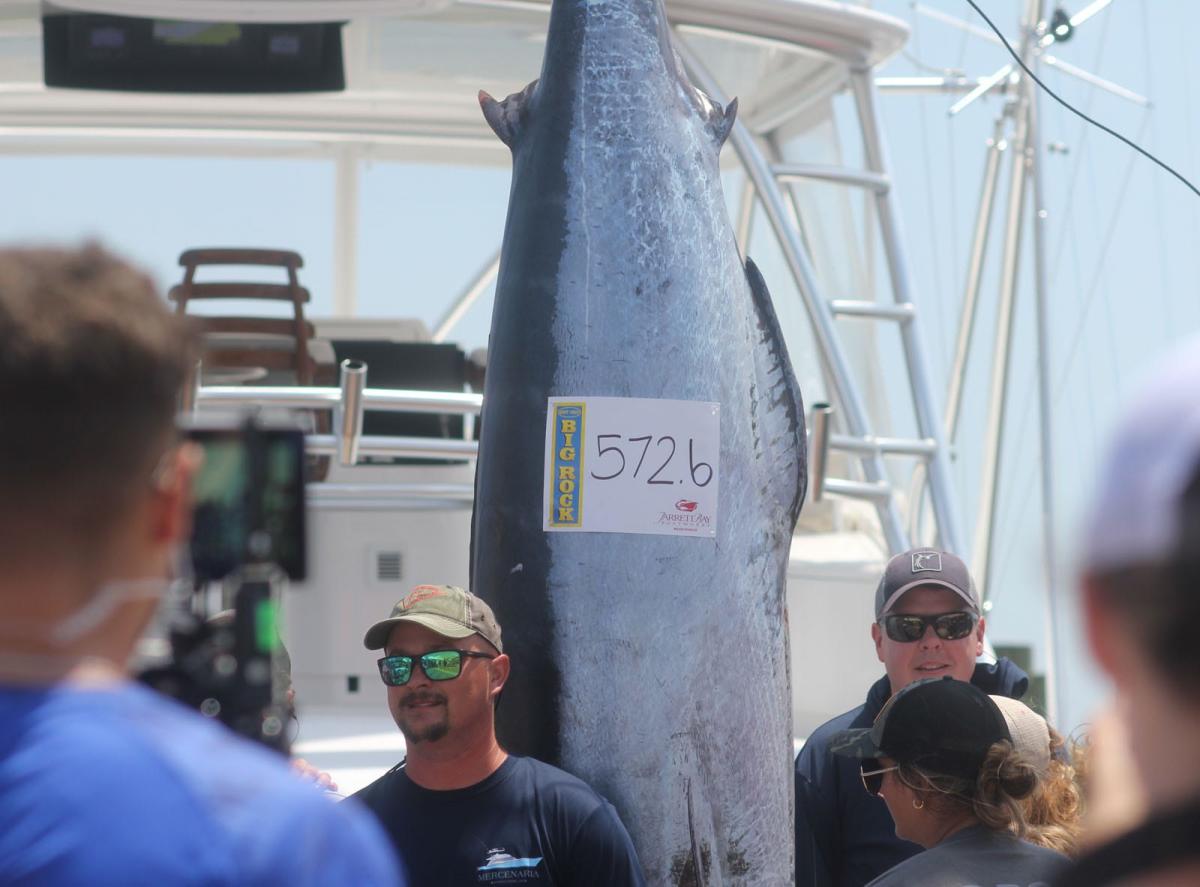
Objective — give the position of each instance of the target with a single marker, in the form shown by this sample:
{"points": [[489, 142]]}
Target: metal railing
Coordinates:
{"points": [[348, 402]]}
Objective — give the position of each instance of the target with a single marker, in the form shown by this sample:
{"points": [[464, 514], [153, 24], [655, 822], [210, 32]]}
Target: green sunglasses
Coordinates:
{"points": [[438, 665]]}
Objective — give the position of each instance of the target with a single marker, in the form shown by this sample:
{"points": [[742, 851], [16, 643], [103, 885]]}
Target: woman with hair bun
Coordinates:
{"points": [[941, 756], [1055, 806]]}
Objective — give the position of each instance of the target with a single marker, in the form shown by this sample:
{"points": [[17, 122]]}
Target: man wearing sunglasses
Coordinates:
{"points": [[928, 624], [460, 810]]}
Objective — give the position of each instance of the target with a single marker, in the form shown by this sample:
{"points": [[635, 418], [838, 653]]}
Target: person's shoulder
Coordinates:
{"points": [[1001, 678], [232, 779], [579, 817], [917, 869], [819, 739], [910, 871], [817, 742], [548, 780], [1049, 855], [383, 789]]}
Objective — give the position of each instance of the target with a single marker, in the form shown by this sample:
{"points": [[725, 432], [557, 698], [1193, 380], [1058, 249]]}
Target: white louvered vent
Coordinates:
{"points": [[388, 566]]}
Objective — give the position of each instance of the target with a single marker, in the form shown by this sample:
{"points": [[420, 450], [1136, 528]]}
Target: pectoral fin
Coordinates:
{"points": [[780, 406]]}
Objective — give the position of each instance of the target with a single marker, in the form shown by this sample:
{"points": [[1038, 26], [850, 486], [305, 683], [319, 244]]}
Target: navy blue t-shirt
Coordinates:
{"points": [[527, 823]]}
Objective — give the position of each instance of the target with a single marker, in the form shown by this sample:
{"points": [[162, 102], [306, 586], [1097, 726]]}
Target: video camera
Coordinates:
{"points": [[248, 533]]}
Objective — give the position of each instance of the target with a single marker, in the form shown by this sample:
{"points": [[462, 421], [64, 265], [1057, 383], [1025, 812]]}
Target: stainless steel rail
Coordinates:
{"points": [[315, 398]]}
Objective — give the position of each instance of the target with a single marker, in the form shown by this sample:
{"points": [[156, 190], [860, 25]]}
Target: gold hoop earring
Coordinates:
{"points": [[918, 804]]}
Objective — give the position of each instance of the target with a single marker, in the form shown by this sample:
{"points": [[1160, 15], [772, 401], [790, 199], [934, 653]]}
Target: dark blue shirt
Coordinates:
{"points": [[527, 823], [844, 836]]}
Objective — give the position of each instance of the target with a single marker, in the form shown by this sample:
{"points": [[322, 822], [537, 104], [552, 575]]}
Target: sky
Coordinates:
{"points": [[1122, 252]]}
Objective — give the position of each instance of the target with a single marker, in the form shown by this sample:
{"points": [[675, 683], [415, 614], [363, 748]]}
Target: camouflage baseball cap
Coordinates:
{"points": [[939, 725], [446, 609]]}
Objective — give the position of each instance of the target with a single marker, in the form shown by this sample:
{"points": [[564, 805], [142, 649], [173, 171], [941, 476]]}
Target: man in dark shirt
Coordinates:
{"points": [[845, 837], [460, 809]]}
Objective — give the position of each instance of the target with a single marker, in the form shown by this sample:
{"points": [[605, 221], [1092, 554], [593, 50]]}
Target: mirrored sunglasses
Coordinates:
{"points": [[438, 665], [948, 626]]}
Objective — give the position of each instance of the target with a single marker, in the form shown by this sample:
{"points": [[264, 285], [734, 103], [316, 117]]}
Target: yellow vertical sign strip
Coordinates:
{"points": [[566, 495]]}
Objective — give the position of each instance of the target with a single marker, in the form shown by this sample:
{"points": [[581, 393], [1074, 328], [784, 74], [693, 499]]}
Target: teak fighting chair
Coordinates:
{"points": [[253, 344]]}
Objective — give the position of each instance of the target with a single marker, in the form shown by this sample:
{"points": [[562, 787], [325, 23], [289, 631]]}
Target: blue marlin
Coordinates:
{"points": [[654, 667]]}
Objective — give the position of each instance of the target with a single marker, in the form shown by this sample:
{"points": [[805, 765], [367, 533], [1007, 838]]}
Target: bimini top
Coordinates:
{"points": [[413, 68]]}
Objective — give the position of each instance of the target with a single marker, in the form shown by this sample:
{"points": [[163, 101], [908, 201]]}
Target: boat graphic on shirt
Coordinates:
{"points": [[499, 858]]}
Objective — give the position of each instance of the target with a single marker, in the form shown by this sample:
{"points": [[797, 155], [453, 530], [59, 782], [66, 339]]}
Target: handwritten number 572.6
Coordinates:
{"points": [[697, 469]]}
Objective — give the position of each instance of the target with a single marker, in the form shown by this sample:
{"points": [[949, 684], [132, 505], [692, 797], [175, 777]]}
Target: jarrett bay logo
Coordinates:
{"points": [[685, 518], [501, 867]]}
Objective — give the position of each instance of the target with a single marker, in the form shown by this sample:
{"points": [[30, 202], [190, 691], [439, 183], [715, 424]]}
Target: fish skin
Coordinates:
{"points": [[654, 667]]}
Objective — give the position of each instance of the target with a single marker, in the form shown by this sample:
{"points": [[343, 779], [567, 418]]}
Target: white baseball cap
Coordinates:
{"points": [[1030, 732], [1137, 510]]}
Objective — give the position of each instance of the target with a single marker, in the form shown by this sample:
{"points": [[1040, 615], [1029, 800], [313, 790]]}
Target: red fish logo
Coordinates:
{"points": [[421, 593], [686, 505]]}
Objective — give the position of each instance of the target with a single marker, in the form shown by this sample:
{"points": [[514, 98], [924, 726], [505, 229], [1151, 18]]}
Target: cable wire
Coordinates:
{"points": [[1050, 92]]}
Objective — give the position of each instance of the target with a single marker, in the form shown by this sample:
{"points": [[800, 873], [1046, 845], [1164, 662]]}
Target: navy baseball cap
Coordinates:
{"points": [[939, 725]]}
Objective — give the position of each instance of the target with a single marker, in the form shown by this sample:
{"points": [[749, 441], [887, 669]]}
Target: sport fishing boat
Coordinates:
{"points": [[331, 158]]}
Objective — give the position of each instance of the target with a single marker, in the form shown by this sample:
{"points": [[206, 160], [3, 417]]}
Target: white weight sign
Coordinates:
{"points": [[632, 465]]}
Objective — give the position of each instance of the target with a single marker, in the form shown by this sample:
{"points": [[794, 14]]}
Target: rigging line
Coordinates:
{"points": [[938, 287], [1081, 313], [1081, 140], [1164, 243], [1190, 133], [955, 245], [1100, 280], [1050, 92], [952, 151], [931, 69], [1099, 272]]}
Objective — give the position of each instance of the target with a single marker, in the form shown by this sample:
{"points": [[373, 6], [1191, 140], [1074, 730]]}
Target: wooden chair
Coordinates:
{"points": [[254, 345], [250, 349]]}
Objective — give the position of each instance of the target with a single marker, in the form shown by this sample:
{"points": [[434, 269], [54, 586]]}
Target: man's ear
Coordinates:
{"points": [[171, 506], [501, 666], [877, 637], [979, 631]]}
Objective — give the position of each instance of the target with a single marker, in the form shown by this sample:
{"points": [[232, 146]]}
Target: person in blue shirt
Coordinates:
{"points": [[103, 781], [928, 623]]}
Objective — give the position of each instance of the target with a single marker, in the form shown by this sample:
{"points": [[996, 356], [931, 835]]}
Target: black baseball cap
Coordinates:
{"points": [[924, 566], [939, 725]]}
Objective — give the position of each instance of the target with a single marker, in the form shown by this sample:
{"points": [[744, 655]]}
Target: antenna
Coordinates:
{"points": [[1016, 133]]}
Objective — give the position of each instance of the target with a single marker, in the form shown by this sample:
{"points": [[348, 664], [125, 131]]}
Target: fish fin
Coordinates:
{"points": [[718, 120], [507, 117], [722, 124], [782, 422]]}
